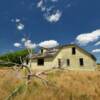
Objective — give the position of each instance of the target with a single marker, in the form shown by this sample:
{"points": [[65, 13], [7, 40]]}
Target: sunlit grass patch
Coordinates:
{"points": [[62, 85]]}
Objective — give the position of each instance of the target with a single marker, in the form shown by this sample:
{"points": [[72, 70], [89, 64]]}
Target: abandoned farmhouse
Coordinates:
{"points": [[67, 56]]}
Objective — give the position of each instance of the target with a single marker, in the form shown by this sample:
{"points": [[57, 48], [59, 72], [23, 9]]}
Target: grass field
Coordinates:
{"points": [[63, 85]]}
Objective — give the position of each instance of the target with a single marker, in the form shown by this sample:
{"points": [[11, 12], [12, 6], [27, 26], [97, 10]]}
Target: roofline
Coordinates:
{"points": [[62, 46], [91, 55]]}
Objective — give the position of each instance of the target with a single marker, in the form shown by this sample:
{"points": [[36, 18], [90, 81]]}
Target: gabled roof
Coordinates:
{"points": [[47, 55]]}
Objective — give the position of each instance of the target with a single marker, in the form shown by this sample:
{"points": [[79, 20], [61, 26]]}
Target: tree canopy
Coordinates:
{"points": [[14, 56]]}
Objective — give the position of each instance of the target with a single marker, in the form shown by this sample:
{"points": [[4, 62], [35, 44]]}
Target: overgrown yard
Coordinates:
{"points": [[63, 85]]}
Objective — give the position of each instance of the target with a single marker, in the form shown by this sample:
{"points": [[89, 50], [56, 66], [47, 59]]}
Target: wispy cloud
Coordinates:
{"points": [[54, 0], [25, 43], [50, 8], [68, 5], [17, 44], [17, 20], [98, 43], [50, 13], [86, 38], [20, 26], [55, 17], [96, 51], [23, 40], [29, 44], [40, 3]]}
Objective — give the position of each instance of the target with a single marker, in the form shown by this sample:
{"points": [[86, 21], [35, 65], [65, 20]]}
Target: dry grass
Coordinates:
{"points": [[66, 85], [9, 80]]}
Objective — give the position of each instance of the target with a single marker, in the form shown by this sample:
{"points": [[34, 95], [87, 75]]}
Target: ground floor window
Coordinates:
{"points": [[40, 62], [68, 62], [81, 61], [59, 63]]}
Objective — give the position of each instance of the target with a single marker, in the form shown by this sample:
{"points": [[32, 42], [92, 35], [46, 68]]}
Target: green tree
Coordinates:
{"points": [[15, 56]]}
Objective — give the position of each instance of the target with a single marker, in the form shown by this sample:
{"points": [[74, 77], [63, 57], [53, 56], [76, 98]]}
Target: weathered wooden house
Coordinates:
{"points": [[67, 56]]}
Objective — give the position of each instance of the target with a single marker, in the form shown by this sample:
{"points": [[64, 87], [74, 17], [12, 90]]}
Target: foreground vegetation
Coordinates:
{"points": [[64, 85]]}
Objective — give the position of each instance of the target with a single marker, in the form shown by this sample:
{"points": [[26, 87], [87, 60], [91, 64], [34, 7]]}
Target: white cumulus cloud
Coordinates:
{"points": [[17, 44], [96, 51], [84, 39], [49, 44], [55, 17]]}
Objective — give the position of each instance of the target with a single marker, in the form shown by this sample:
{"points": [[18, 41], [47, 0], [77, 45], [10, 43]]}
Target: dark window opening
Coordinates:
{"points": [[41, 62], [68, 62], [81, 61], [59, 63], [27, 61], [41, 51], [73, 50]]}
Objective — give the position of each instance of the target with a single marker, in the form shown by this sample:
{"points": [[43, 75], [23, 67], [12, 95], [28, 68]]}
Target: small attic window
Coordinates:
{"points": [[73, 50], [41, 51]]}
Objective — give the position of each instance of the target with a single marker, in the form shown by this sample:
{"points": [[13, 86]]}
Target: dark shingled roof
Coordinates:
{"points": [[47, 55]]}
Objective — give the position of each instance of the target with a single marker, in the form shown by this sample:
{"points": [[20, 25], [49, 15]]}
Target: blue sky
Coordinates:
{"points": [[65, 21]]}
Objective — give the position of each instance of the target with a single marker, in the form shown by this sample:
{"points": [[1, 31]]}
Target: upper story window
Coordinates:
{"points": [[81, 61], [73, 51], [41, 51]]}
